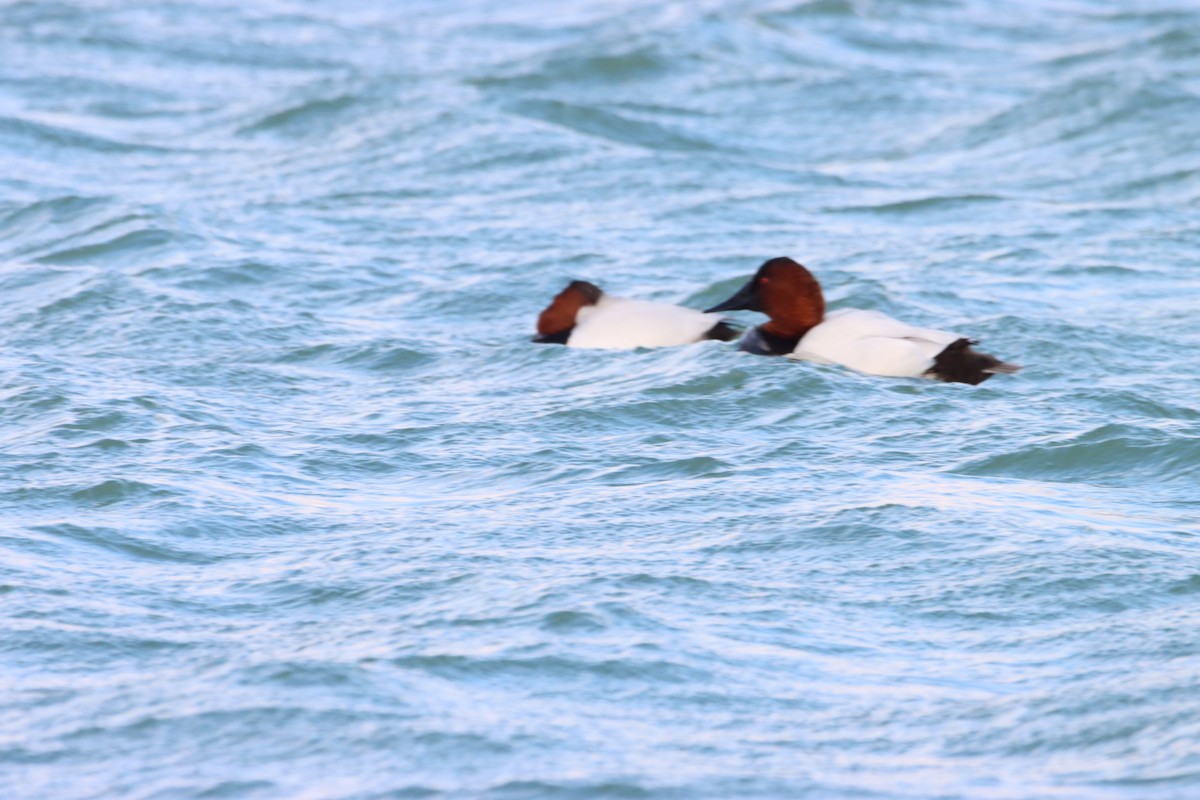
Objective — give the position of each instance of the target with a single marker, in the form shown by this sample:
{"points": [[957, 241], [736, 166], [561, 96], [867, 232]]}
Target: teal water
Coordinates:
{"points": [[290, 507]]}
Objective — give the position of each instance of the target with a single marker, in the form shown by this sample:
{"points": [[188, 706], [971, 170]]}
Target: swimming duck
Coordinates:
{"points": [[583, 316], [866, 341]]}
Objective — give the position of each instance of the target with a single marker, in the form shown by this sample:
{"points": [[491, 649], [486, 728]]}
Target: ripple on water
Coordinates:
{"points": [[102, 538], [309, 118], [611, 126], [378, 356], [1113, 454]]}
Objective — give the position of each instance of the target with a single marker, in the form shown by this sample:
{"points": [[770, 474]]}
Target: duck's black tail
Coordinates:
{"points": [[958, 363]]}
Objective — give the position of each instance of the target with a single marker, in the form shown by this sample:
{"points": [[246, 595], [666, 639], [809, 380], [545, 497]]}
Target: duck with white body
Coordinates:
{"points": [[867, 341], [582, 315]]}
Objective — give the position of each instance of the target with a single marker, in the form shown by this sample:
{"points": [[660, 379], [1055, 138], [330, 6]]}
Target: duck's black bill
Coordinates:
{"points": [[746, 299]]}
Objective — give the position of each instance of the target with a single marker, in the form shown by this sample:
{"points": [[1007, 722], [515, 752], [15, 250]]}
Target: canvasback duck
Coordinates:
{"points": [[583, 316], [866, 341]]}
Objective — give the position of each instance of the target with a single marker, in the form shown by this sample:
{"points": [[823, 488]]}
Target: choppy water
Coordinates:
{"points": [[292, 509]]}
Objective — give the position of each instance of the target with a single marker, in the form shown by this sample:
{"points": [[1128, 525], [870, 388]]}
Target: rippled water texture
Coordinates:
{"points": [[291, 508]]}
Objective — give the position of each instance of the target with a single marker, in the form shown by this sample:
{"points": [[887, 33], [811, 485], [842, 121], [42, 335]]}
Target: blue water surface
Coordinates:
{"points": [[291, 508]]}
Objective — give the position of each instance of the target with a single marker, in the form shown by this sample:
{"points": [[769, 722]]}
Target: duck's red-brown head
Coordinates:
{"points": [[786, 292], [555, 323]]}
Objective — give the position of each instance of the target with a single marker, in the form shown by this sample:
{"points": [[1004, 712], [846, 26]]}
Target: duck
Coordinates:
{"points": [[582, 315], [866, 341]]}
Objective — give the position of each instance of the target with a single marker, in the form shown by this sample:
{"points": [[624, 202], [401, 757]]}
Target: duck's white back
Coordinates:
{"points": [[873, 343], [617, 322]]}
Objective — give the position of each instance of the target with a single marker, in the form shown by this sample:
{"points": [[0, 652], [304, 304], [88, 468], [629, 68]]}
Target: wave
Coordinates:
{"points": [[1113, 453]]}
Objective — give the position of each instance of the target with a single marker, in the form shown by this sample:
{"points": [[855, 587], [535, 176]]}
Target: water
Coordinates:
{"points": [[292, 509]]}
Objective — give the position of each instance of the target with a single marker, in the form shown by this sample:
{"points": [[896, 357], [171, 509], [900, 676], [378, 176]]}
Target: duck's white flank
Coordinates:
{"points": [[618, 322], [873, 343]]}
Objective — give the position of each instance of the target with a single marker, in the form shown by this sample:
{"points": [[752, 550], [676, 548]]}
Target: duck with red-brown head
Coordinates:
{"points": [[866, 341], [582, 315], [786, 292], [556, 322]]}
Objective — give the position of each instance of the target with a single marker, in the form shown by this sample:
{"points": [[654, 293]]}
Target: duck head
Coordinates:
{"points": [[786, 292], [556, 322]]}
